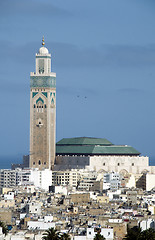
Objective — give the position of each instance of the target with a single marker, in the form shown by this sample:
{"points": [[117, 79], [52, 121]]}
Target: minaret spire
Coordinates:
{"points": [[42, 112]]}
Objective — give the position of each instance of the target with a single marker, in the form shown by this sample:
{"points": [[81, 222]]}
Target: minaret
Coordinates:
{"points": [[42, 112]]}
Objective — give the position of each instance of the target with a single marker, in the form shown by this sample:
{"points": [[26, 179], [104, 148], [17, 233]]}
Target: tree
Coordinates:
{"points": [[51, 234], [4, 228], [135, 233], [65, 236], [148, 234], [98, 236], [132, 233]]}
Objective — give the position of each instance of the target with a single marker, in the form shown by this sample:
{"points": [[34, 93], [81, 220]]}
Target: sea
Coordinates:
{"points": [[5, 162]]}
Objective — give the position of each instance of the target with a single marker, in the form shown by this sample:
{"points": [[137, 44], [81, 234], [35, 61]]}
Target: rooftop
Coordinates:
{"points": [[92, 146], [84, 141]]}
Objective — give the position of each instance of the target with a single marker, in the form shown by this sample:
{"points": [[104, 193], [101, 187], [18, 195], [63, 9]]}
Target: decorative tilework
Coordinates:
{"points": [[34, 94], [43, 56], [43, 81], [44, 93], [40, 99]]}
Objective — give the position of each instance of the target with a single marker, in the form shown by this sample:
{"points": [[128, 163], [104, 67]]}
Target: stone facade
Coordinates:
{"points": [[122, 164]]}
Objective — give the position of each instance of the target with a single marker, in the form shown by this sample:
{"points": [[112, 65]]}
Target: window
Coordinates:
{"points": [[132, 164], [33, 163], [39, 162], [41, 65], [118, 164]]}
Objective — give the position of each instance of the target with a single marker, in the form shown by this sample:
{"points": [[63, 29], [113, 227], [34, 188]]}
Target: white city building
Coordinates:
{"points": [[20, 177], [111, 181], [66, 177], [106, 232]]}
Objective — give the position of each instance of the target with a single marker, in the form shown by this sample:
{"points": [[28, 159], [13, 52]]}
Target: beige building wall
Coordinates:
{"points": [[6, 216], [128, 164], [102, 199], [62, 178], [150, 181], [79, 198], [7, 203]]}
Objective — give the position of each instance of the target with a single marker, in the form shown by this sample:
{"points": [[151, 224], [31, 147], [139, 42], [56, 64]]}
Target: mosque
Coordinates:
{"points": [[91, 153]]}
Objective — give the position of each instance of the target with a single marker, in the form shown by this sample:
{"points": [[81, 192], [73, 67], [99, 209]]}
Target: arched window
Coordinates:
{"points": [[40, 105], [41, 65], [39, 162]]}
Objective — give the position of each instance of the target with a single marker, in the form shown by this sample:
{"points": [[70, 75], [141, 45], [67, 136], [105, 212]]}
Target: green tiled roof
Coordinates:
{"points": [[96, 150], [84, 141], [92, 146]]}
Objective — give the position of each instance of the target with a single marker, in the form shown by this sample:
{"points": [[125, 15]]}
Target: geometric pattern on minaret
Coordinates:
{"points": [[42, 112]]}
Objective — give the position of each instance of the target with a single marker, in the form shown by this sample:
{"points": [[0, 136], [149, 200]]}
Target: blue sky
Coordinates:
{"points": [[102, 51]]}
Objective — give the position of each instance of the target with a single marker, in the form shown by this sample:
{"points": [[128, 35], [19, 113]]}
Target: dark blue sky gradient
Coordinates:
{"points": [[102, 51]]}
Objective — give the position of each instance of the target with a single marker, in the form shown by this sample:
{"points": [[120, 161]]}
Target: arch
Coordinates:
{"points": [[124, 173], [102, 171], [39, 99], [144, 171]]}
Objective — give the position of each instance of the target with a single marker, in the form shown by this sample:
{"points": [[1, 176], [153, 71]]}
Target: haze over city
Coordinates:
{"points": [[104, 55]]}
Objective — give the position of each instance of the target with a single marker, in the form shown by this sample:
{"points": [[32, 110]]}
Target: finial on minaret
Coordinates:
{"points": [[43, 42]]}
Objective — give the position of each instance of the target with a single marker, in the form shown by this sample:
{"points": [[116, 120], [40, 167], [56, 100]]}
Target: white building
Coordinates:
{"points": [[111, 181], [60, 189], [9, 196], [1, 234], [8, 178], [66, 177], [147, 223], [20, 177], [33, 208], [40, 225], [41, 178], [87, 179], [106, 232]]}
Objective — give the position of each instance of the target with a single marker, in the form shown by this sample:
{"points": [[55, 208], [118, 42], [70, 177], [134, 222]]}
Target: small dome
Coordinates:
{"points": [[43, 50]]}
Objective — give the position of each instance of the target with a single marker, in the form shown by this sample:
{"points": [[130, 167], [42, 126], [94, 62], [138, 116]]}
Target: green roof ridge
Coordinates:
{"points": [[84, 141]]}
